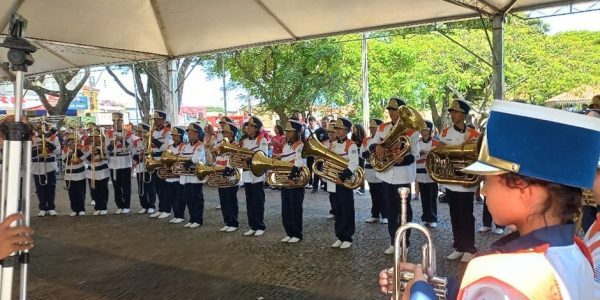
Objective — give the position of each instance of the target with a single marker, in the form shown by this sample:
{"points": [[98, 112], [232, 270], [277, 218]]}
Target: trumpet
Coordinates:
{"points": [[277, 171], [444, 163], [333, 164], [239, 155], [401, 278], [396, 143], [213, 176]]}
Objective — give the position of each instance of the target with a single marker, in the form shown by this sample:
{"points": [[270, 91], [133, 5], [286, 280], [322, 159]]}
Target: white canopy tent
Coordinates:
{"points": [[75, 33]]}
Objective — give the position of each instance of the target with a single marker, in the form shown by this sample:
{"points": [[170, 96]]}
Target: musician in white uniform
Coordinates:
{"points": [[292, 198], [344, 197], [427, 187], [253, 185], [171, 184], [375, 185], [161, 139], [191, 185], [118, 143], [74, 174], [146, 189], [402, 174], [228, 195], [97, 172], [43, 168]]}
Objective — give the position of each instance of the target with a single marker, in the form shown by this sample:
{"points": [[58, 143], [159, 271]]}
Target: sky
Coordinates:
{"points": [[200, 91]]}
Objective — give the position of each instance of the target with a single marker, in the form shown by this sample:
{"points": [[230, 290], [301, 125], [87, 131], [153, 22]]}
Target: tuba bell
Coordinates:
{"points": [[396, 143], [214, 176], [239, 155], [444, 163], [333, 164], [277, 171]]}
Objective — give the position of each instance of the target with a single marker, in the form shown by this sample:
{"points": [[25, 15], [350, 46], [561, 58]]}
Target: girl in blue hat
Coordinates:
{"points": [[540, 193]]}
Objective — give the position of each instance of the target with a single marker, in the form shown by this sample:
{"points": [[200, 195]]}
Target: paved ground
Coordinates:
{"points": [[135, 257]]}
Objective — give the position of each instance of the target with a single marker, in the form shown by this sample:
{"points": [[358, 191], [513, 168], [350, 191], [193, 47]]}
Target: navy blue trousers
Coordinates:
{"points": [[291, 211], [344, 213], [229, 205], [255, 205], [45, 188], [194, 198], [146, 190]]}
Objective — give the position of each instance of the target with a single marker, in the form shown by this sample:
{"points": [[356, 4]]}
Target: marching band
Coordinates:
{"points": [[174, 163]]}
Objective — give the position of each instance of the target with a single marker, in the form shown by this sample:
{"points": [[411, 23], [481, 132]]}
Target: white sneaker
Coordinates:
{"points": [[483, 229], [455, 255], [498, 231], [151, 210], [384, 221], [345, 245], [433, 225], [142, 211], [125, 211], [259, 233], [467, 257], [337, 244], [224, 228], [194, 225], [390, 250], [52, 212], [187, 225], [156, 214], [249, 232], [372, 220], [103, 212], [164, 215], [285, 239], [72, 214], [330, 216], [42, 213], [118, 211], [96, 213], [93, 203], [82, 213], [218, 207], [425, 224], [231, 229], [294, 240], [176, 220]]}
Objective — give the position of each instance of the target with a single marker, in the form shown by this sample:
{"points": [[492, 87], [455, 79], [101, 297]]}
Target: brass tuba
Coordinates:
{"points": [[396, 143], [214, 176], [171, 165], [443, 163], [333, 164], [238, 154], [277, 171]]}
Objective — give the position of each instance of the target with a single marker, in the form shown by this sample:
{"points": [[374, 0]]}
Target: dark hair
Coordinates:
{"points": [[278, 129], [359, 136], [312, 118], [567, 199]]}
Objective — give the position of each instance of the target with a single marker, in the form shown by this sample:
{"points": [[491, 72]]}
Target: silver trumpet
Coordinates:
{"points": [[401, 278]]}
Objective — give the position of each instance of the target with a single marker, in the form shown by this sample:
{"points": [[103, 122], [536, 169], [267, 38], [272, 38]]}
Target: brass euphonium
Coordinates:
{"points": [[277, 171], [214, 176], [238, 154], [397, 143], [171, 165], [443, 163], [332, 164], [151, 163], [587, 197]]}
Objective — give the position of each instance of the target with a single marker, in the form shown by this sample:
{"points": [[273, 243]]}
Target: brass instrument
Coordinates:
{"points": [[277, 171], [173, 165], [151, 163], [397, 143], [587, 197], [239, 155], [401, 278], [333, 164], [443, 163], [71, 158], [213, 176], [97, 146]]}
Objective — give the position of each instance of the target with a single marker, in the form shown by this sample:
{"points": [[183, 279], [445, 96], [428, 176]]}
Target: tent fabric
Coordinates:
{"points": [[74, 33]]}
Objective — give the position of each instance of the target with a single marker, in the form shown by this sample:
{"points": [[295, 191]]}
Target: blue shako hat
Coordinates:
{"points": [[539, 142], [293, 125]]}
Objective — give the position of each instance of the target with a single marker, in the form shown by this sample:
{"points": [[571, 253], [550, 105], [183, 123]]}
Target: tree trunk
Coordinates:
{"points": [[65, 96]]}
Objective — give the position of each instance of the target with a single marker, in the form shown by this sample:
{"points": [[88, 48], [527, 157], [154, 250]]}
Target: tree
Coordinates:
{"points": [[64, 94], [284, 77], [152, 84]]}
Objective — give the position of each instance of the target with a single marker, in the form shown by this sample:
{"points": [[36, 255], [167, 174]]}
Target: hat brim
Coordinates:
{"points": [[391, 107], [479, 168], [456, 109]]}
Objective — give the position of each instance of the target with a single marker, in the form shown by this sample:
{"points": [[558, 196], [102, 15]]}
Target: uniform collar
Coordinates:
{"points": [[252, 137], [160, 128], [554, 236], [460, 130], [341, 140]]}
